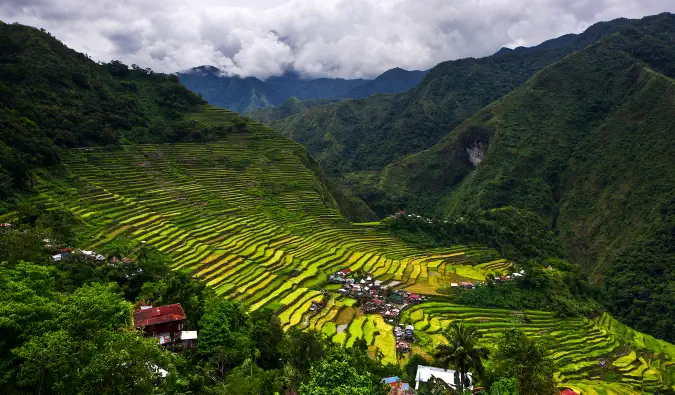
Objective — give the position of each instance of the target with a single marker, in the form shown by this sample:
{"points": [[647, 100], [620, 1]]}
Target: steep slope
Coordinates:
{"points": [[587, 144], [53, 98], [370, 133], [249, 94]]}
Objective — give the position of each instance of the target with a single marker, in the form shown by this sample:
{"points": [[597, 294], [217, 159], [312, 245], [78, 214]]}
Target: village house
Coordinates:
{"points": [[425, 373], [165, 323]]}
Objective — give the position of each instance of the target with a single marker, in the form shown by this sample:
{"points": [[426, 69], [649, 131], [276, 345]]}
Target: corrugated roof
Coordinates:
{"points": [[159, 315]]}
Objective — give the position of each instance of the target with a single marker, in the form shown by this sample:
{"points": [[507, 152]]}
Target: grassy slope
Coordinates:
{"points": [[368, 134]]}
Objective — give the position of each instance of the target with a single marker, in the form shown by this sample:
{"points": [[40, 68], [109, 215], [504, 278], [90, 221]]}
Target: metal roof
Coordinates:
{"points": [[159, 315]]}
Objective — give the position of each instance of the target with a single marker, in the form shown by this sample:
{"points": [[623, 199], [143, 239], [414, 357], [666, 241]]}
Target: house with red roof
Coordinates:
{"points": [[164, 322], [568, 391]]}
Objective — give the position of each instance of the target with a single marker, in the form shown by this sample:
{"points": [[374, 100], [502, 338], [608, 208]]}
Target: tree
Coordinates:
{"points": [[524, 359], [462, 351], [302, 348], [224, 338], [249, 379], [505, 386], [337, 376], [28, 302]]}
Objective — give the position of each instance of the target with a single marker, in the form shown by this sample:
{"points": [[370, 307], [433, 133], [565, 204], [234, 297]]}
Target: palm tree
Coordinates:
{"points": [[462, 351]]}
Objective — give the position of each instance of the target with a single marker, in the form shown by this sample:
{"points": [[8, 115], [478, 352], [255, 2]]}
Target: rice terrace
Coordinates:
{"points": [[265, 231]]}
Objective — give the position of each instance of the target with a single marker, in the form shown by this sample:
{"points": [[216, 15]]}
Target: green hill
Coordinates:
{"points": [[290, 107], [587, 144], [368, 134]]}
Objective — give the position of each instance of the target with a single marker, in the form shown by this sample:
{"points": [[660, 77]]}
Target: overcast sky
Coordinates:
{"points": [[337, 38]]}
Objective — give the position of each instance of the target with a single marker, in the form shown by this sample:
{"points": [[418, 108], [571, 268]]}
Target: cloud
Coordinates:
{"points": [[316, 38]]}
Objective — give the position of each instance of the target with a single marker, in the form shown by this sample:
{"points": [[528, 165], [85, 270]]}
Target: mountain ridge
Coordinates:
{"points": [[245, 94], [367, 134]]}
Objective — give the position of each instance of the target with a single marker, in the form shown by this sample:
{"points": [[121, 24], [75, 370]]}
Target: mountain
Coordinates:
{"points": [[368, 134], [391, 81], [248, 94], [587, 144], [53, 98]]}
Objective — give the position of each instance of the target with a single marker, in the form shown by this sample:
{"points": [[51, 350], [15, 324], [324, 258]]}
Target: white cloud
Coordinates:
{"points": [[337, 38]]}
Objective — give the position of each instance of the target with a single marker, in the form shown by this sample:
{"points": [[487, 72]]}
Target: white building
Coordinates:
{"points": [[424, 373]]}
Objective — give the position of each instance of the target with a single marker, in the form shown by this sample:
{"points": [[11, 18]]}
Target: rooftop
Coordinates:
{"points": [[159, 315], [424, 373]]}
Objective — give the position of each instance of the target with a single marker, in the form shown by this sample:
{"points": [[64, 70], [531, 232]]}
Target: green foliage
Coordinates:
{"points": [[505, 386], [522, 358], [550, 290], [303, 348], [410, 368], [224, 337], [462, 352], [338, 374], [63, 344], [249, 379], [640, 285]]}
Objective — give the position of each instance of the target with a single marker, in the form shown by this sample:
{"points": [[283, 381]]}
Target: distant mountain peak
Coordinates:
{"points": [[202, 70]]}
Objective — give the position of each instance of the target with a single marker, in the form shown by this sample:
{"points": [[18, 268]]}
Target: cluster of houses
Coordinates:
{"points": [[404, 337], [372, 295], [166, 324], [470, 285], [67, 251]]}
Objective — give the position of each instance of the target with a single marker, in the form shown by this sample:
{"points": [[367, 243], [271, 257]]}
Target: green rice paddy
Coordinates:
{"points": [[593, 356]]}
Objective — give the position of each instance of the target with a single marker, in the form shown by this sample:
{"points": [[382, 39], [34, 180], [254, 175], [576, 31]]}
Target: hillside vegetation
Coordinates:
{"points": [[250, 93], [290, 107], [587, 145], [53, 98], [370, 133]]}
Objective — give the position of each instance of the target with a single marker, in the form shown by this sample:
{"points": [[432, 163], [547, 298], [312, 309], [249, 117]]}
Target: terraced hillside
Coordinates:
{"points": [[261, 228], [600, 356]]}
